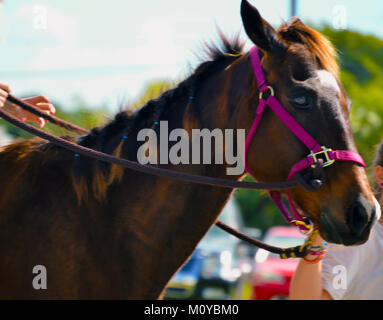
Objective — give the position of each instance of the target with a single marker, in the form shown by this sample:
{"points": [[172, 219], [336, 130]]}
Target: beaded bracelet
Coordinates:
{"points": [[321, 246], [319, 253], [318, 250]]}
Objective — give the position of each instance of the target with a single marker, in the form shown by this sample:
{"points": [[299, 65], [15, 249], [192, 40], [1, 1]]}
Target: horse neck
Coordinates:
{"points": [[168, 218]]}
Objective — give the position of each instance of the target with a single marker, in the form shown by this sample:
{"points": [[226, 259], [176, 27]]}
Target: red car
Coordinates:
{"points": [[272, 275]]}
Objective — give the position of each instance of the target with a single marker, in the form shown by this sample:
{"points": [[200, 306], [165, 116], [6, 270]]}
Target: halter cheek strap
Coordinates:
{"points": [[317, 151]]}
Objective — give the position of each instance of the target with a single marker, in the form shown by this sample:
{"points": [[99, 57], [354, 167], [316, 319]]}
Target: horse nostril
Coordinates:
{"points": [[357, 217]]}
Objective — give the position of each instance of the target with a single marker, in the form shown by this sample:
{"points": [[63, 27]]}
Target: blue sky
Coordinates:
{"points": [[106, 51]]}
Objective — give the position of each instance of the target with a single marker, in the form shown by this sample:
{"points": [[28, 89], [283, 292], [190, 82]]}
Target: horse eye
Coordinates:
{"points": [[301, 101]]}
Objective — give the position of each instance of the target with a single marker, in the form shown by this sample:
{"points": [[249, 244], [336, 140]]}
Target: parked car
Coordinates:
{"points": [[272, 275], [220, 267]]}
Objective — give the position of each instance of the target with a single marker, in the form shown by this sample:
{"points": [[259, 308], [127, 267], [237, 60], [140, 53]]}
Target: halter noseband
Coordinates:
{"points": [[318, 152]]}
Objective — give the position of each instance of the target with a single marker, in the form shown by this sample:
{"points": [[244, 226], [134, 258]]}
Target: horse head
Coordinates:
{"points": [[300, 65]]}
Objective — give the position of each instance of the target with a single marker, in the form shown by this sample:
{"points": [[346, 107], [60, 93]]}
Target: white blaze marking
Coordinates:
{"points": [[378, 210], [328, 80]]}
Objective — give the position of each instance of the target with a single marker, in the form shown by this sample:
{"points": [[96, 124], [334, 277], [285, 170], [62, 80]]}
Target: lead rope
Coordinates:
{"points": [[284, 253], [78, 149]]}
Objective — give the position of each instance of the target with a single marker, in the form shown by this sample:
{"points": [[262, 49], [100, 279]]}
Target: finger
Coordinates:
{"points": [[5, 87], [34, 118], [30, 117], [48, 107], [41, 123], [2, 101], [3, 93], [37, 99]]}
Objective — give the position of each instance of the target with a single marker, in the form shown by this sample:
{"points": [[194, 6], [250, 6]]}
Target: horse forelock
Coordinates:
{"points": [[322, 50]]}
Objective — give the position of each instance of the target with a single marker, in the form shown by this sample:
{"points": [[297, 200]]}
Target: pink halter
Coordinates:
{"points": [[327, 154]]}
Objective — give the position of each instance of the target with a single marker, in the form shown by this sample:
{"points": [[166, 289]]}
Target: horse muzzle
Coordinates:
{"points": [[360, 218]]}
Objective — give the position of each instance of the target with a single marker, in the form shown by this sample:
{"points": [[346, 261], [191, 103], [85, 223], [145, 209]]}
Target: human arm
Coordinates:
{"points": [[307, 280]]}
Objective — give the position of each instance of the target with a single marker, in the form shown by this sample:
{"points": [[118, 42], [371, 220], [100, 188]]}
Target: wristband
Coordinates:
{"points": [[318, 250]]}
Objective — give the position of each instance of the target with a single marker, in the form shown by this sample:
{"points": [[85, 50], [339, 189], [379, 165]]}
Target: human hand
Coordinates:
{"points": [[41, 102]]}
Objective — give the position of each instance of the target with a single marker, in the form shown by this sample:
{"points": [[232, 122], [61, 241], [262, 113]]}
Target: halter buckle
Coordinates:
{"points": [[268, 89], [315, 155]]}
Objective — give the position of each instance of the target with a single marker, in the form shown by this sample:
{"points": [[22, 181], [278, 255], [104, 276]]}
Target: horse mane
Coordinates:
{"points": [[215, 56], [324, 53], [224, 49], [96, 176]]}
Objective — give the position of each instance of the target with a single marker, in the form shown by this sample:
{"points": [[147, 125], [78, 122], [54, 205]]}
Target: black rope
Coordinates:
{"points": [[171, 174], [295, 252]]}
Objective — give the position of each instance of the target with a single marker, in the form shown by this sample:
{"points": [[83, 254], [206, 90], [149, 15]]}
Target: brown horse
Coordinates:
{"points": [[105, 232]]}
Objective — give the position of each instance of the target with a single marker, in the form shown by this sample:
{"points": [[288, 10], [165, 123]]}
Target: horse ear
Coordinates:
{"points": [[260, 32]]}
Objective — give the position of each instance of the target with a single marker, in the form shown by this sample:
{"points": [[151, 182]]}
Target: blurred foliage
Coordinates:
{"points": [[361, 60], [152, 91]]}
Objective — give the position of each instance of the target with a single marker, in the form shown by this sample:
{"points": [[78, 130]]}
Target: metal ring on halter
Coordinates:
{"points": [[270, 89], [307, 224]]}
